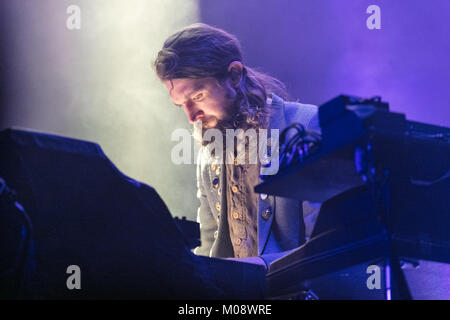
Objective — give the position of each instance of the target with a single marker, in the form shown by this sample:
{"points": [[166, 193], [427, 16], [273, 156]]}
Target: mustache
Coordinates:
{"points": [[236, 118], [241, 116]]}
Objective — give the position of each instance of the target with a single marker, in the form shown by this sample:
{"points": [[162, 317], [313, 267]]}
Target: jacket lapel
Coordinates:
{"points": [[277, 121]]}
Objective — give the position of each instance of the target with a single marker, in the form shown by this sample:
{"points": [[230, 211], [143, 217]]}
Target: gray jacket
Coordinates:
{"points": [[280, 220]]}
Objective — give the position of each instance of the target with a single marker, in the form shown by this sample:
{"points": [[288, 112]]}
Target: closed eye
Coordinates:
{"points": [[198, 97]]}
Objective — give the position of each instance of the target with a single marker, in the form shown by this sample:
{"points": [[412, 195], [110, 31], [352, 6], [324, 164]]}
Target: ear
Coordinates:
{"points": [[235, 72]]}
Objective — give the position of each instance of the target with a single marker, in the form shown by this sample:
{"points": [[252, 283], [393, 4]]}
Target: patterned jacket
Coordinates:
{"points": [[280, 220]]}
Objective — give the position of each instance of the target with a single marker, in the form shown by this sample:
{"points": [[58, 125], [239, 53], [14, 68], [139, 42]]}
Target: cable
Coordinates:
{"points": [[301, 145]]}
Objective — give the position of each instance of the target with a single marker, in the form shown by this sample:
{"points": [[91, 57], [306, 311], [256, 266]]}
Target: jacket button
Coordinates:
{"points": [[238, 241], [213, 167], [266, 213], [215, 183], [218, 206], [218, 170], [234, 189], [263, 196], [235, 215], [215, 234]]}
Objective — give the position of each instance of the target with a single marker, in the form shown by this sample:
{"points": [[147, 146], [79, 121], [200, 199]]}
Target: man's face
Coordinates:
{"points": [[202, 99]]}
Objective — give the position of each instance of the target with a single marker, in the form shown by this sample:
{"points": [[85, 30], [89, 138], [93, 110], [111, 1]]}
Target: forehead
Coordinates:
{"points": [[180, 89]]}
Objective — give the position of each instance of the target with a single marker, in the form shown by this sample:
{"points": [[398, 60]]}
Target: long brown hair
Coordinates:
{"points": [[201, 51]]}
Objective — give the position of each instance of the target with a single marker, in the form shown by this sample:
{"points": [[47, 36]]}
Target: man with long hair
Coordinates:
{"points": [[205, 74]]}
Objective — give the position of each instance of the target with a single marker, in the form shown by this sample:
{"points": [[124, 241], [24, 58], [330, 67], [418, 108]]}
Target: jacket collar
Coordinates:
{"points": [[277, 117]]}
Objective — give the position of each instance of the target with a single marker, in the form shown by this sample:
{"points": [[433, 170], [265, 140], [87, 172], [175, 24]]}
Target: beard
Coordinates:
{"points": [[238, 116], [230, 122], [234, 119]]}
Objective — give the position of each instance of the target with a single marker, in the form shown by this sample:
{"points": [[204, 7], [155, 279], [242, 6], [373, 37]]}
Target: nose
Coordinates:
{"points": [[192, 113]]}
